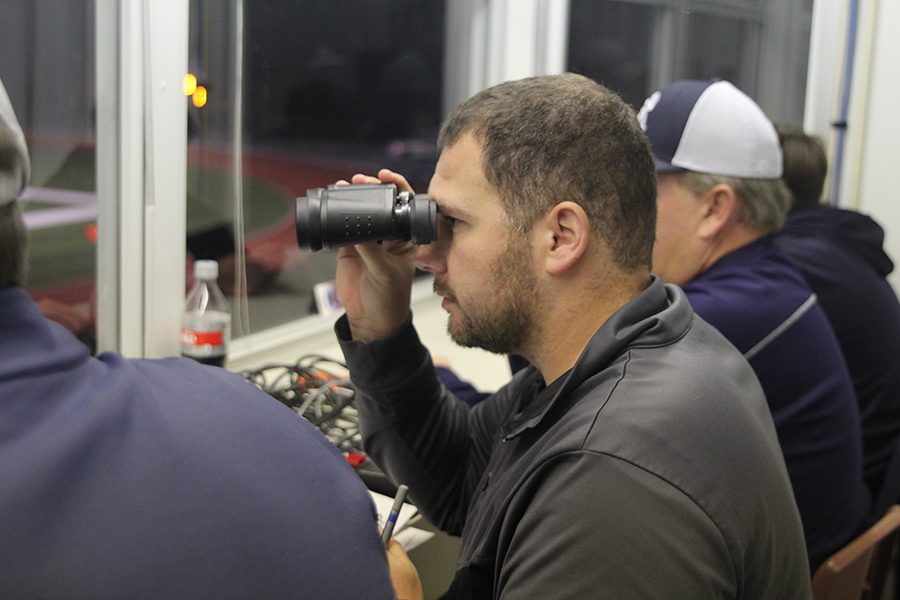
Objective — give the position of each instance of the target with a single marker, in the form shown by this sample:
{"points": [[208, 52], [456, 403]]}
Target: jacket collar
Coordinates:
{"points": [[28, 341], [657, 316]]}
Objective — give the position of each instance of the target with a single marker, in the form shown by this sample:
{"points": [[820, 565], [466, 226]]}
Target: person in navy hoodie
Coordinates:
{"points": [[158, 478], [840, 254], [720, 200]]}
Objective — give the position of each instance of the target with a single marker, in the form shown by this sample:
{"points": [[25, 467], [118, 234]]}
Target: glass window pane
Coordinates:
{"points": [[613, 43], [47, 67], [637, 46], [329, 89], [721, 47]]}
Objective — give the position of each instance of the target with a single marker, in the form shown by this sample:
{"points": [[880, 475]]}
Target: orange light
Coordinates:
{"points": [[90, 233], [189, 84], [199, 97]]}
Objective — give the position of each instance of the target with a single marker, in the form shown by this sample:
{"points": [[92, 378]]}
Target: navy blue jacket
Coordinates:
{"points": [[762, 305], [839, 252], [165, 479]]}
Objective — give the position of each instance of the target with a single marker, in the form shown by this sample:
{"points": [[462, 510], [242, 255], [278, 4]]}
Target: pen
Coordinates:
{"points": [[395, 511]]}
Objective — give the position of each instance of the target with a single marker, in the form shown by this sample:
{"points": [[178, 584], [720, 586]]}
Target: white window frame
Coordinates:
{"points": [[142, 49], [492, 41], [487, 42], [141, 174]]}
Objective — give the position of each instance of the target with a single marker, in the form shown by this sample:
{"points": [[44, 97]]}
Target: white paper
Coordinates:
{"points": [[384, 503]]}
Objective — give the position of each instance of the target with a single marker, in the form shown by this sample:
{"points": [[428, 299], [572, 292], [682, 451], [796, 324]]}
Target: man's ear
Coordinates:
{"points": [[564, 237], [720, 207]]}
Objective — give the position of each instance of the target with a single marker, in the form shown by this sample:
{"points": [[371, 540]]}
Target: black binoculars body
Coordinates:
{"points": [[341, 215]]}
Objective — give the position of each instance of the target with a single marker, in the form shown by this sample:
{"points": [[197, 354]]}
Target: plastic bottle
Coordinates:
{"points": [[206, 325]]}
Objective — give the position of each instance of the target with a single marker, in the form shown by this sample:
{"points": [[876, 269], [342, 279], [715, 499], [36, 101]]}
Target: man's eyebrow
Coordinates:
{"points": [[450, 209]]}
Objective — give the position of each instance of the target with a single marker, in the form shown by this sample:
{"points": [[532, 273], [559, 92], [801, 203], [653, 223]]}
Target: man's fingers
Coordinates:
{"points": [[375, 251], [347, 252], [404, 576], [384, 176], [359, 179], [388, 176]]}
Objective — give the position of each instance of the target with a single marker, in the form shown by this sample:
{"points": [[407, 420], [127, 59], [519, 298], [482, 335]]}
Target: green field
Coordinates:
{"points": [[63, 254]]}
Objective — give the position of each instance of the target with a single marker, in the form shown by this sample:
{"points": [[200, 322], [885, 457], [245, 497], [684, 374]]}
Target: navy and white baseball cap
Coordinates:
{"points": [[15, 166], [710, 127]]}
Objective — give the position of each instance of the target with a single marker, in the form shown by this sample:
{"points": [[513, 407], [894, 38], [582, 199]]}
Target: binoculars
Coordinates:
{"points": [[341, 215]]}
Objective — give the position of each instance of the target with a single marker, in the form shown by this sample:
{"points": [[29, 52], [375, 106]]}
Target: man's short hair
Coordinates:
{"points": [[805, 164], [13, 246], [564, 137], [763, 204]]}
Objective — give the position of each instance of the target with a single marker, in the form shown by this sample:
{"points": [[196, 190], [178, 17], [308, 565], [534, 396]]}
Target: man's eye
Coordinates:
{"points": [[450, 221]]}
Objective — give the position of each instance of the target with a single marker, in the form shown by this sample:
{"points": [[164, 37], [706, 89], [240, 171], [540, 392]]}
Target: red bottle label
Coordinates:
{"points": [[201, 338]]}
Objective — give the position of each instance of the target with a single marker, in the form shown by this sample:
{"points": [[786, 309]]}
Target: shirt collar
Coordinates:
{"points": [[537, 400], [656, 316]]}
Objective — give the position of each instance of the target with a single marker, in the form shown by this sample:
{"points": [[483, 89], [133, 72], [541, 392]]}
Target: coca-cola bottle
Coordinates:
{"points": [[206, 325]]}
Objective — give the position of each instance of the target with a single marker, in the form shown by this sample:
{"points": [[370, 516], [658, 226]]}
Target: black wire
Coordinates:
{"points": [[311, 383]]}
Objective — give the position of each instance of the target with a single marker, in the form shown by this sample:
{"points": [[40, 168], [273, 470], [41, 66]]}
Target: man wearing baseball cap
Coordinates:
{"points": [[720, 198], [159, 478]]}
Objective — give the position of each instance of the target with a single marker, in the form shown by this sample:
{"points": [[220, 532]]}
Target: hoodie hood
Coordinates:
{"points": [[856, 232]]}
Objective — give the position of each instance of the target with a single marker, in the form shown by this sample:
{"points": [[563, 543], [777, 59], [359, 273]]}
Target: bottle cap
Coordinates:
{"points": [[206, 269]]}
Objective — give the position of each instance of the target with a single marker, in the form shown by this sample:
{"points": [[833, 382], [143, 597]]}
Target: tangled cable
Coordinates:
{"points": [[317, 394]]}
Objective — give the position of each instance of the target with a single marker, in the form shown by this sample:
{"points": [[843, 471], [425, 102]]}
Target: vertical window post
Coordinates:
{"points": [[141, 174]]}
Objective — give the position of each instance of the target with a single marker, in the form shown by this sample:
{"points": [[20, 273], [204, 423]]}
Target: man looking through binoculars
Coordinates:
{"points": [[637, 457]]}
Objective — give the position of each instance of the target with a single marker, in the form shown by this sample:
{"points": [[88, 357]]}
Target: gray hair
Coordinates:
{"points": [[763, 203]]}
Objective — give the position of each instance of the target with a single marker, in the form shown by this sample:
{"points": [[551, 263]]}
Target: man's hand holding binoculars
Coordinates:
{"points": [[374, 279]]}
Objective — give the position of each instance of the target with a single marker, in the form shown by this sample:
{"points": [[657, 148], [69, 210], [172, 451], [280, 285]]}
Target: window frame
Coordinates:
{"points": [[142, 52], [141, 175]]}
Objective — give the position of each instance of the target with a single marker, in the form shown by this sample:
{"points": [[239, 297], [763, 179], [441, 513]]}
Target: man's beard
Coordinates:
{"points": [[502, 318]]}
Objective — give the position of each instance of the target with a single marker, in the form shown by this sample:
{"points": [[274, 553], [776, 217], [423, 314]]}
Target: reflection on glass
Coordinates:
{"points": [[612, 43], [637, 46], [328, 89], [47, 66], [722, 47]]}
